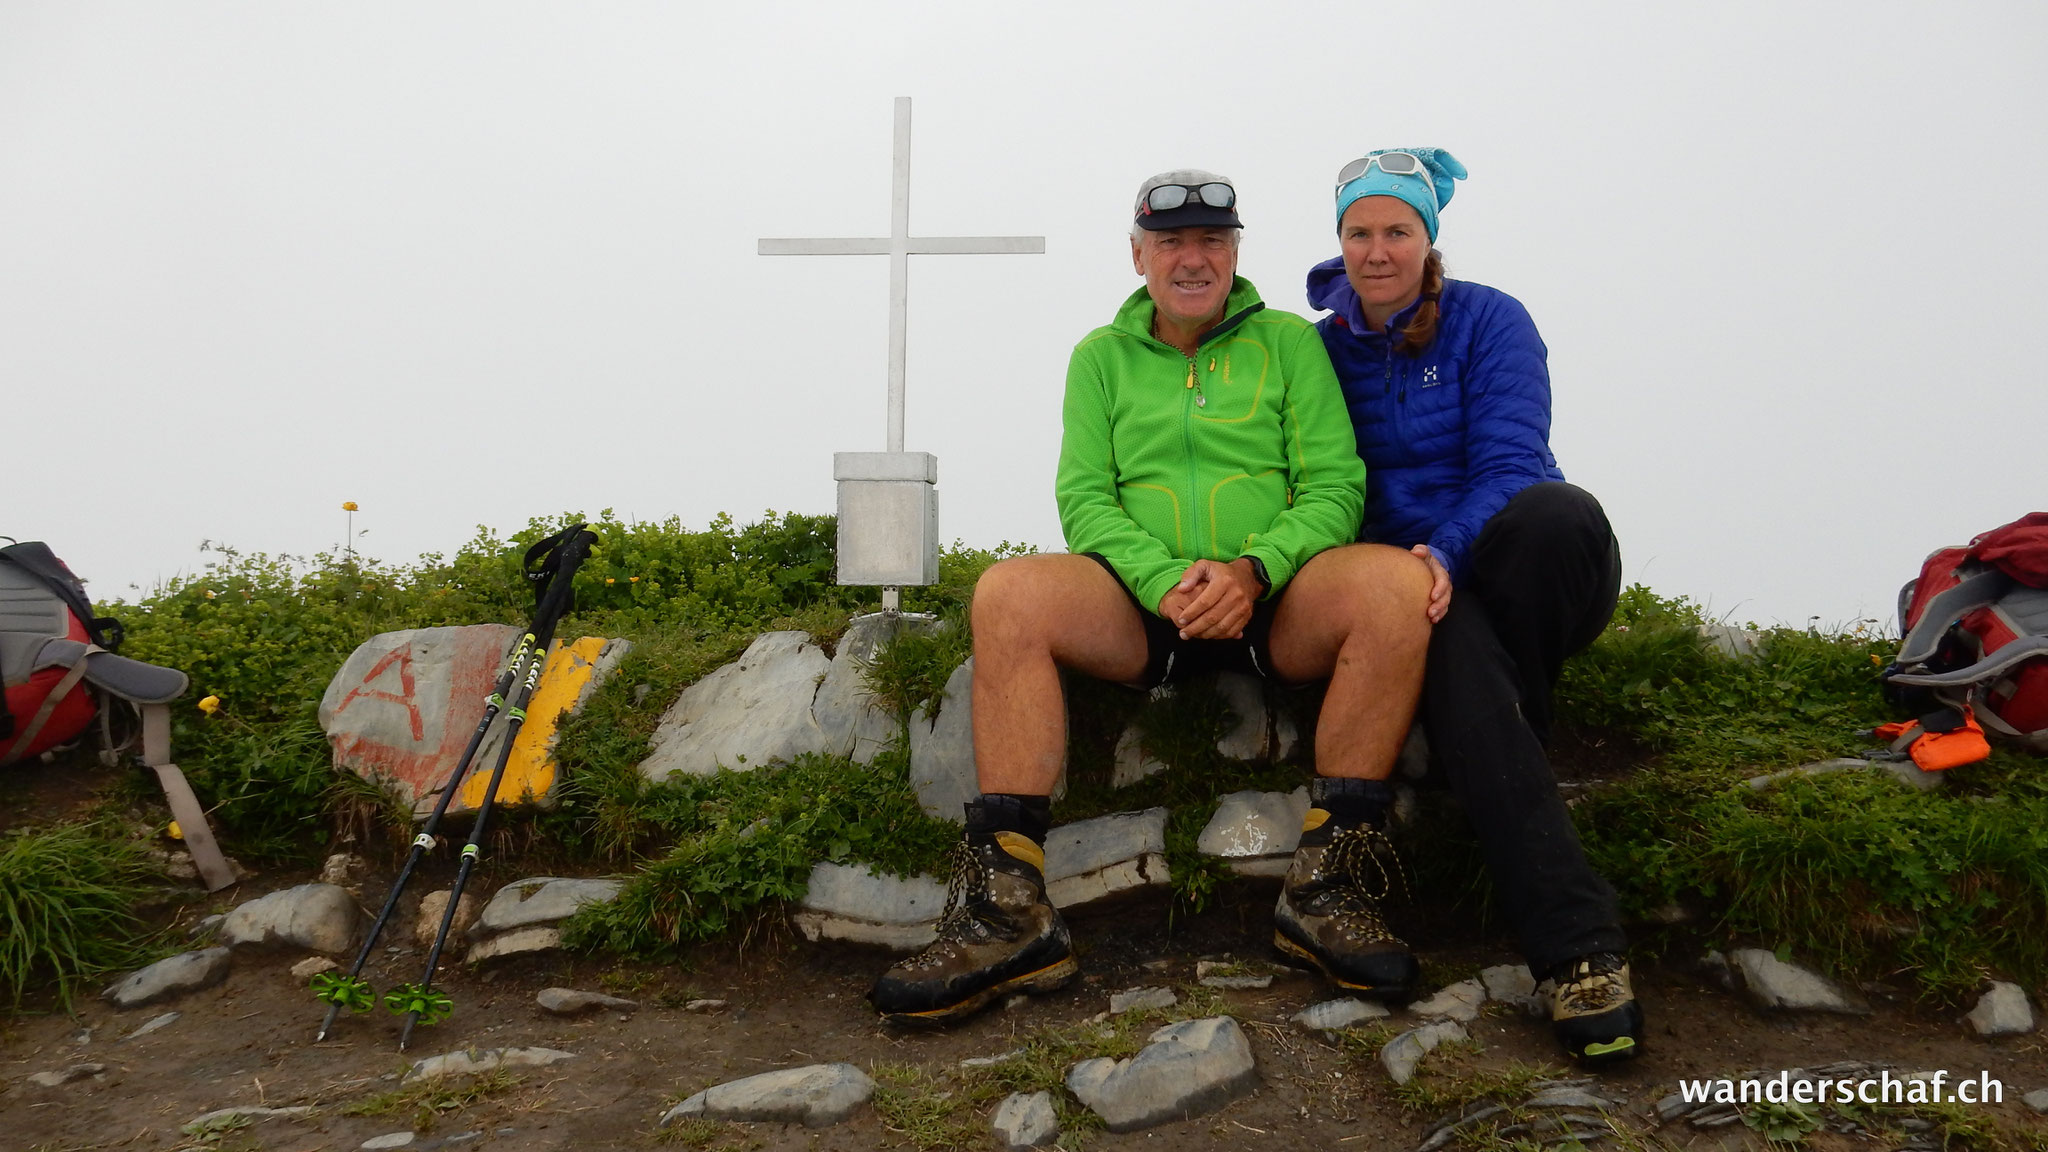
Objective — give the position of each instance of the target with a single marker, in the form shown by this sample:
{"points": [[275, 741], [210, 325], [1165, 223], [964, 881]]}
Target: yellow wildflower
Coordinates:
{"points": [[348, 506], [633, 579], [175, 832], [610, 580], [210, 705]]}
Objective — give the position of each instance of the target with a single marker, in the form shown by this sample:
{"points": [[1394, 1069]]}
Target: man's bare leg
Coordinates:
{"points": [[1034, 615], [1356, 616]]}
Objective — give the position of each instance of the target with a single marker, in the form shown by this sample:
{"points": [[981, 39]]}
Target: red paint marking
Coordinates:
{"points": [[422, 772], [403, 656]]}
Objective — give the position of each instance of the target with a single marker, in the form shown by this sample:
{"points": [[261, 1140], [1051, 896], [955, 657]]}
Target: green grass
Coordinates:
{"points": [[68, 896], [425, 1104]]}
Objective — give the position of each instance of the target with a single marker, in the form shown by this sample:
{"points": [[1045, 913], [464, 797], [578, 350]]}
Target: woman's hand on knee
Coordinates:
{"points": [[1439, 583]]}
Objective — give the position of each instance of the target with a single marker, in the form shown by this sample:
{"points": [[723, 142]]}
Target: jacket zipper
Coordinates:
{"points": [[1187, 438]]}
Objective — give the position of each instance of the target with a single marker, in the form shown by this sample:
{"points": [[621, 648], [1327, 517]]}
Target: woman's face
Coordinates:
{"points": [[1385, 245]]}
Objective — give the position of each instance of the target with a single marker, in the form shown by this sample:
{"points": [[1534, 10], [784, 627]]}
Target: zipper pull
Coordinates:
{"points": [[1191, 373]]}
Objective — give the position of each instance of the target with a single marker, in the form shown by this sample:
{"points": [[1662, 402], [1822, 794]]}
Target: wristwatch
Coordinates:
{"points": [[1259, 571]]}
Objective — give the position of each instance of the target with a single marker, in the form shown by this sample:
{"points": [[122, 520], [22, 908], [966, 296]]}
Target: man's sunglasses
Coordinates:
{"points": [[1167, 197]]}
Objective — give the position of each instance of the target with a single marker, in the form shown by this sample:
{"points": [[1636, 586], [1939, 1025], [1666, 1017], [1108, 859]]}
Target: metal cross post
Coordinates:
{"points": [[899, 246]]}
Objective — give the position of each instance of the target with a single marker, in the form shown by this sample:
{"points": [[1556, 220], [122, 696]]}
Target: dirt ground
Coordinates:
{"points": [[250, 1041]]}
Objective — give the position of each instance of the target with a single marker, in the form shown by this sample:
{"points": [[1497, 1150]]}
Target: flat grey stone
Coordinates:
{"points": [[1091, 845], [543, 900], [856, 904], [1133, 999], [1254, 825], [427, 925], [1337, 1015], [1119, 879], [316, 917], [705, 1007], [815, 1096], [206, 927], [1023, 1121], [1566, 1096], [1249, 735], [185, 972], [2002, 1011], [1232, 977], [751, 711], [69, 1075], [848, 722], [1460, 1002], [1405, 1051], [219, 1116], [1131, 761], [991, 1061], [389, 1140], [471, 1061], [1774, 985], [1904, 771], [1511, 984], [2037, 1100], [1188, 1069], [518, 942], [575, 1002], [312, 966], [942, 750], [163, 1021]]}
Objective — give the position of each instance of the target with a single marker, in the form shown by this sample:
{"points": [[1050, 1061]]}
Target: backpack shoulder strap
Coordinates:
{"points": [[35, 558], [1976, 591]]}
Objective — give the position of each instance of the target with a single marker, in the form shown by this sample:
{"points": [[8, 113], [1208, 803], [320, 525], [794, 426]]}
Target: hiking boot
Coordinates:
{"points": [[1328, 917], [1593, 1010], [998, 934]]}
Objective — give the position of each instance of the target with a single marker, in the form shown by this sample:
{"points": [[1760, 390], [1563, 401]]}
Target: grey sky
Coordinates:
{"points": [[471, 263]]}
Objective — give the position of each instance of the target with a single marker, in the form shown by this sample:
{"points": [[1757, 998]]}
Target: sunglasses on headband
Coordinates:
{"points": [[1392, 163], [1167, 197]]}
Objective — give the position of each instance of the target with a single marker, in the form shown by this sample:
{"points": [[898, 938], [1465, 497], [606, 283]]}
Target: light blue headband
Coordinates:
{"points": [[1427, 197]]}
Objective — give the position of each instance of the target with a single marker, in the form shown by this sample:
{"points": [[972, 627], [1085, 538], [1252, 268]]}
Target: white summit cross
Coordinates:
{"points": [[888, 502]]}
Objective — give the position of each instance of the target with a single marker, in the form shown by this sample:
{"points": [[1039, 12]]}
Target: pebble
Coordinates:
{"points": [[185, 972], [1460, 1002], [312, 966], [1230, 976], [1512, 984], [1187, 1069], [473, 1060], [1023, 1121], [1134, 999], [162, 1021], [991, 1061], [1337, 1015], [571, 1002], [815, 1096], [1775, 985], [1405, 1051], [705, 1007], [2037, 1100], [2002, 1011], [221, 1116], [68, 1075], [316, 917]]}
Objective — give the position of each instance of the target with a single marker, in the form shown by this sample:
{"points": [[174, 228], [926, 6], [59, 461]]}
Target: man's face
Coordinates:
{"points": [[1187, 271]]}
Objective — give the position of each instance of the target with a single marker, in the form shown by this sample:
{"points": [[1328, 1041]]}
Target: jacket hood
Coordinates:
{"points": [[1135, 316]]}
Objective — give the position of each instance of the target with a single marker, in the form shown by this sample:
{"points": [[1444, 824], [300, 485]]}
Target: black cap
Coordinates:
{"points": [[1194, 213]]}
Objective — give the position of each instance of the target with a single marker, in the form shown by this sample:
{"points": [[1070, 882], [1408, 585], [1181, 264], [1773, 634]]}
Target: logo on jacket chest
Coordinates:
{"points": [[1430, 378]]}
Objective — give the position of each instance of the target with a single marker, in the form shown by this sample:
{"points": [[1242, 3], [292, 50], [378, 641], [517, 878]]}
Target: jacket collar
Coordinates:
{"points": [[1135, 316], [1329, 290]]}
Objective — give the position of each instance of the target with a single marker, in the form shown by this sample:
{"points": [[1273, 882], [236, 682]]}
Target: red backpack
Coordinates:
{"points": [[1976, 624]]}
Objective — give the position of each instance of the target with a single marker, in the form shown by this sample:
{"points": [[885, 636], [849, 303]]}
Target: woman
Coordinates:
{"points": [[1450, 397]]}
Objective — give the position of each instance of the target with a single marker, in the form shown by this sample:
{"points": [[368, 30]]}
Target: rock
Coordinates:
{"points": [[705, 1007], [1245, 696], [991, 1061], [1460, 1002], [220, 1118], [2002, 1011], [815, 1096], [2037, 1100], [1133, 999], [1256, 832], [1126, 876], [518, 942], [471, 1061], [1569, 1096], [1132, 761], [433, 906], [1023, 1121], [847, 720], [316, 917], [401, 709], [1904, 771], [1734, 643], [206, 927], [1187, 1069], [1511, 984], [69, 1075], [185, 972], [852, 902], [571, 1002], [1337, 1015], [1231, 977], [1405, 1051], [942, 750], [163, 1021], [1774, 985], [542, 900], [750, 712], [1092, 845], [312, 966], [342, 868], [388, 1140]]}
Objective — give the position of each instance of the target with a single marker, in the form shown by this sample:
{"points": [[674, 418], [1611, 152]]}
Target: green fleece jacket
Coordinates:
{"points": [[1245, 449]]}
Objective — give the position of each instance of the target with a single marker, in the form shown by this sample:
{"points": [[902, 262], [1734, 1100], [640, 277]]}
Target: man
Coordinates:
{"points": [[1210, 490]]}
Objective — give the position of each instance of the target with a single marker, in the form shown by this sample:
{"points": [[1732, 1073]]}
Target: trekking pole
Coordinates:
{"points": [[350, 990], [557, 578]]}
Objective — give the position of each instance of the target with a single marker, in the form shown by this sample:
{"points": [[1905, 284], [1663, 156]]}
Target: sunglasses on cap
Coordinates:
{"points": [[1167, 197], [1392, 163]]}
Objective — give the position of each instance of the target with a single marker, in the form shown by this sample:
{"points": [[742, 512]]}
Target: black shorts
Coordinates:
{"points": [[1168, 657]]}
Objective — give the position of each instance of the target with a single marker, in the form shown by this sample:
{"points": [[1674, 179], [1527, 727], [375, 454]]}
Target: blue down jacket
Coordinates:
{"points": [[1447, 436]]}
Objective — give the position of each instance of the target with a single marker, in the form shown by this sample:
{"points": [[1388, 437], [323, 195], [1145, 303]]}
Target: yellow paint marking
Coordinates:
{"points": [[531, 770]]}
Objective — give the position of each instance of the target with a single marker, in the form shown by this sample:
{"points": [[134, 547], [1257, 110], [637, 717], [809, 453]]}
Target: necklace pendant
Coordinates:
{"points": [[1201, 401]]}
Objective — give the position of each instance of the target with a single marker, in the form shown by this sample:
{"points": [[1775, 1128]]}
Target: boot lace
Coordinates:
{"points": [[1363, 870], [1593, 985], [967, 892]]}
